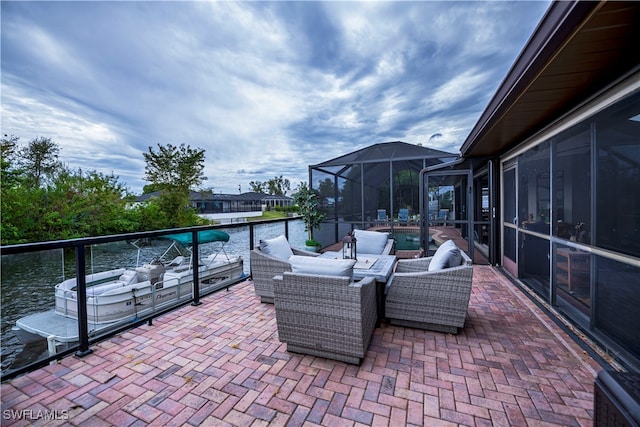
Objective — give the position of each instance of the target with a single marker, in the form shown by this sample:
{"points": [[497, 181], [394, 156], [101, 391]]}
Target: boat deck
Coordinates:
{"points": [[64, 329], [221, 364]]}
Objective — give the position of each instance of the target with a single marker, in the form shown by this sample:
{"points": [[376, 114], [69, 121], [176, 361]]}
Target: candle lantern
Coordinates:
{"points": [[349, 246]]}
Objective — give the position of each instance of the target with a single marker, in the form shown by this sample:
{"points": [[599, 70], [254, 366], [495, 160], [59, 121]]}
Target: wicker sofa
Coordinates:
{"points": [[265, 266], [326, 316], [434, 300]]}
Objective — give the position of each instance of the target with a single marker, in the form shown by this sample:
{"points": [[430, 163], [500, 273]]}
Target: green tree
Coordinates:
{"points": [[150, 188], [307, 201], [17, 202], [39, 160], [326, 192], [101, 204], [174, 171], [172, 167], [258, 187], [10, 175], [74, 204], [278, 186], [406, 189], [81, 204], [275, 186], [43, 200]]}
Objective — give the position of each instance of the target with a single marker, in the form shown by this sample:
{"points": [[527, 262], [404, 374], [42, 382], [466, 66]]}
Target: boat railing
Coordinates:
{"points": [[251, 233]]}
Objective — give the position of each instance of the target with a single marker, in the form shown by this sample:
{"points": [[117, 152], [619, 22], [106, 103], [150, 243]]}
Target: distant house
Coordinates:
{"points": [[208, 202]]}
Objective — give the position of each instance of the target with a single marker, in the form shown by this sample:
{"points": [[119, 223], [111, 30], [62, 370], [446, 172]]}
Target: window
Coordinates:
{"points": [[534, 201], [616, 302], [617, 133], [572, 185], [534, 213]]}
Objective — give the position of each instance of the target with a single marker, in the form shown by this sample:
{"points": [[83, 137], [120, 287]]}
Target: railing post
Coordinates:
{"points": [[195, 262], [81, 290], [286, 228], [251, 236]]}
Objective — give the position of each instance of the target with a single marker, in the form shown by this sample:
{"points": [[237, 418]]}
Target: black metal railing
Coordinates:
{"points": [[256, 230]]}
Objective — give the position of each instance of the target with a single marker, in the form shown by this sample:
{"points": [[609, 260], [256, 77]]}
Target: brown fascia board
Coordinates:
{"points": [[550, 35]]}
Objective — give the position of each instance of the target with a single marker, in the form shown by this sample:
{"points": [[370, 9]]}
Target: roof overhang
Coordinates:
{"points": [[578, 50]]}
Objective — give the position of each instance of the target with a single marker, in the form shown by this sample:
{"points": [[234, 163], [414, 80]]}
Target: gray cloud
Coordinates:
{"points": [[266, 88]]}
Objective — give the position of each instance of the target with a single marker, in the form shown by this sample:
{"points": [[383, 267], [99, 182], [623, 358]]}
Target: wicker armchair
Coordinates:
{"points": [[434, 300], [326, 316], [264, 267]]}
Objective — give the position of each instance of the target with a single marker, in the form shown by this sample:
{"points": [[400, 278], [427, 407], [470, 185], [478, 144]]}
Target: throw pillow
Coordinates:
{"points": [[447, 255], [370, 242], [278, 247], [322, 266]]}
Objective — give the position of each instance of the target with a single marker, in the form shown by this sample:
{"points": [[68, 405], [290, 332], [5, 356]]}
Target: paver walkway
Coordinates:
{"points": [[221, 364]]}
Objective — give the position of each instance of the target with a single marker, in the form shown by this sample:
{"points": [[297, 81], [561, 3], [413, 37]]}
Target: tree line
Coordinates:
{"points": [[42, 199]]}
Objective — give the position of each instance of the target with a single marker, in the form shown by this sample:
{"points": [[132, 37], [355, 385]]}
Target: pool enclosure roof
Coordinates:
{"points": [[378, 157], [385, 152]]}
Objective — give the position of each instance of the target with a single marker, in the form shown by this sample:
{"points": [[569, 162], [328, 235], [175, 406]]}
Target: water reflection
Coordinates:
{"points": [[28, 280]]}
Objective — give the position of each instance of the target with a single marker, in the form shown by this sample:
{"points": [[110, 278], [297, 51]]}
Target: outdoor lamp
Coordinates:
{"points": [[349, 246]]}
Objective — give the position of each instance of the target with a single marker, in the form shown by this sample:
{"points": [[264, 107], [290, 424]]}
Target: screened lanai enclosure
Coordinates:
{"points": [[374, 186]]}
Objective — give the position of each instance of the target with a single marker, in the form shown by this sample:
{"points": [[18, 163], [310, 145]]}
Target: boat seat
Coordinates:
{"points": [[216, 259], [213, 256], [129, 277], [103, 289], [123, 288], [176, 261], [209, 264]]}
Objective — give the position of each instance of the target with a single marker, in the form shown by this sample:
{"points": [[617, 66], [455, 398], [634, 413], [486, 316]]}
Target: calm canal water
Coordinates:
{"points": [[28, 280]]}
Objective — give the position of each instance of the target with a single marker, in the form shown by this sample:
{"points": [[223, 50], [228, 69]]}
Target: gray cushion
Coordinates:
{"points": [[278, 247], [370, 242], [447, 255], [322, 266]]}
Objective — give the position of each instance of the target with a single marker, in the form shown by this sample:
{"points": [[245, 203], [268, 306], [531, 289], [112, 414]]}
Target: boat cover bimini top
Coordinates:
{"points": [[206, 236]]}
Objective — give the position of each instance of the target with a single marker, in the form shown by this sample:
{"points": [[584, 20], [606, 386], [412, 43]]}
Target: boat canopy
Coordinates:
{"points": [[206, 236]]}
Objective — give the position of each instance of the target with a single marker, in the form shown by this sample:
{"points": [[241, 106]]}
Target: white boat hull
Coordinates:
{"points": [[113, 302]]}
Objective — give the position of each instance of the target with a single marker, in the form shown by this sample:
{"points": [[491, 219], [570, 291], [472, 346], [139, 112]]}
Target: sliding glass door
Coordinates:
{"points": [[446, 211], [509, 219]]}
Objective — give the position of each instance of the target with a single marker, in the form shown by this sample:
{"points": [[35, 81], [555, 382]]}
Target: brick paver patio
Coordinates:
{"points": [[221, 363]]}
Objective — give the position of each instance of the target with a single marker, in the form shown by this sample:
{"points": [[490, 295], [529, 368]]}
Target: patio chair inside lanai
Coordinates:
{"points": [[382, 216], [403, 216]]}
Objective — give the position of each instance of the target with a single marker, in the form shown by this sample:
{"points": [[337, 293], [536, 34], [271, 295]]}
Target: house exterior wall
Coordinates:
{"points": [[570, 217]]}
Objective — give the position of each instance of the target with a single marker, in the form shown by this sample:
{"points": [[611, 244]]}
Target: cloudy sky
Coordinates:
{"points": [[266, 88]]}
